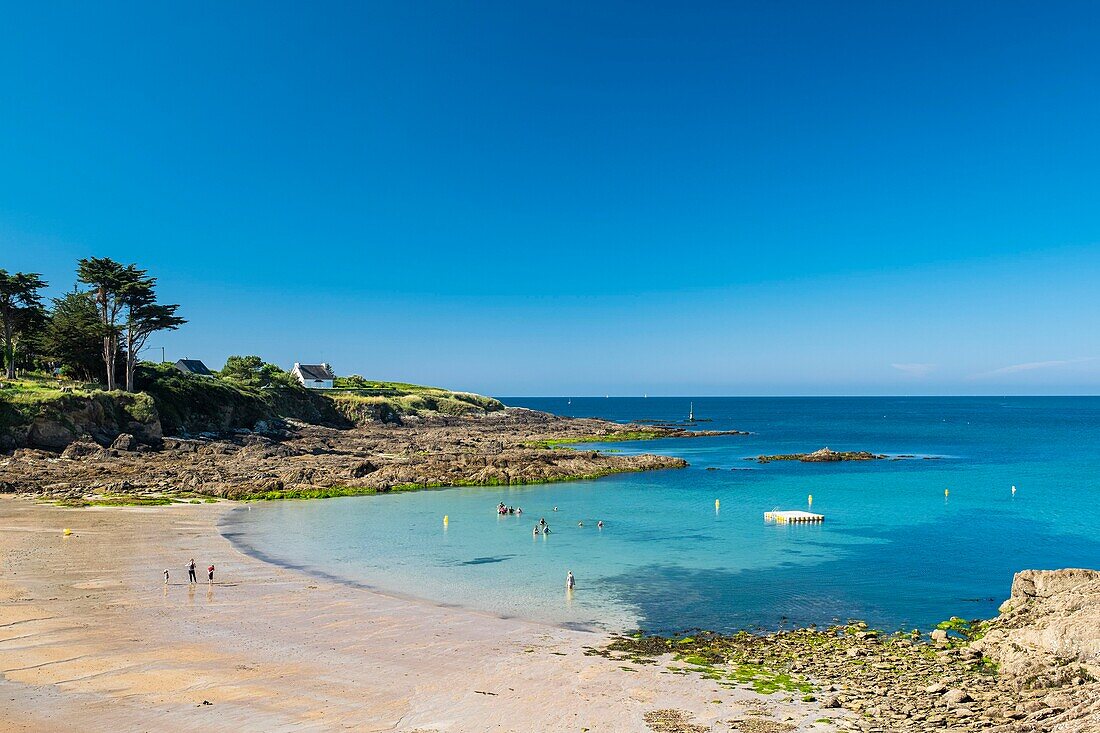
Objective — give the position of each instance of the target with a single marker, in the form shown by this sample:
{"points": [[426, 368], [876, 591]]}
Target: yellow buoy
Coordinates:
{"points": [[67, 532], [446, 519], [945, 493], [717, 504], [810, 500]]}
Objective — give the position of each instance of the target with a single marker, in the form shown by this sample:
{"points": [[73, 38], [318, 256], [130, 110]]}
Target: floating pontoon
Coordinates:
{"points": [[795, 517]]}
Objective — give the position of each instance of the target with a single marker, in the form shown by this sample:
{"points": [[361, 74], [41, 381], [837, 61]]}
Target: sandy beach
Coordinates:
{"points": [[91, 636]]}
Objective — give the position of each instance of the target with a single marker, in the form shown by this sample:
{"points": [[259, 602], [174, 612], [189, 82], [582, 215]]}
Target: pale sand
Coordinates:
{"points": [[91, 639]]}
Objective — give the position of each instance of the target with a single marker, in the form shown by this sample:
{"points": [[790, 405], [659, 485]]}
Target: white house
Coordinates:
{"points": [[314, 376]]}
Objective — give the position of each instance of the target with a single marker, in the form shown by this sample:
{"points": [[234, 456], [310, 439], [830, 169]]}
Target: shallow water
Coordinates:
{"points": [[893, 549]]}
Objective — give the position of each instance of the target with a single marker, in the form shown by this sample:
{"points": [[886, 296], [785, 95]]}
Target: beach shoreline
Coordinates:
{"points": [[91, 634]]}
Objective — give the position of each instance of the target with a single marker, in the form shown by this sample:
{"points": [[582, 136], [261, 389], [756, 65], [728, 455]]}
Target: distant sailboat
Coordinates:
{"points": [[691, 412]]}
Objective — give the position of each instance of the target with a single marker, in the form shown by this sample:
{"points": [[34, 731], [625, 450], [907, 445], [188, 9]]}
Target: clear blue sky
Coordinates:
{"points": [[579, 198]]}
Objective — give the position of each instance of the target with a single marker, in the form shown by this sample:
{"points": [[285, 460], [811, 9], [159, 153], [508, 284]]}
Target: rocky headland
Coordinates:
{"points": [[290, 458], [1033, 668]]}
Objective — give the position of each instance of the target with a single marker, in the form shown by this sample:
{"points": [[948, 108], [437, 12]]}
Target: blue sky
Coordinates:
{"points": [[579, 198]]}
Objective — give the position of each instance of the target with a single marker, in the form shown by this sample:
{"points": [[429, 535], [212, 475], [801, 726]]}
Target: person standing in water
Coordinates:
{"points": [[570, 581], [191, 571]]}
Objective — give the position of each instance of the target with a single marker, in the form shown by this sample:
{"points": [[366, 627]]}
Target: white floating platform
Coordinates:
{"points": [[797, 517]]}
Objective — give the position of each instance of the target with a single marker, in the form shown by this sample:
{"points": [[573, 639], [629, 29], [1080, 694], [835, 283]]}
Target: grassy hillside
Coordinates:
{"points": [[43, 412], [391, 401], [196, 404], [176, 404]]}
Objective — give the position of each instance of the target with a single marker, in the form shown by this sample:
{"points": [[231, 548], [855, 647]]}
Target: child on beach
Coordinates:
{"points": [[210, 573]]}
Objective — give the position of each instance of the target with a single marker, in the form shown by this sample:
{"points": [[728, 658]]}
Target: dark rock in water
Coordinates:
{"points": [[825, 455]]}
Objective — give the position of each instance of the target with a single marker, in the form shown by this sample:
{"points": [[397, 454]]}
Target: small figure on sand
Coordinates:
{"points": [[166, 576], [210, 573], [191, 571], [570, 581]]}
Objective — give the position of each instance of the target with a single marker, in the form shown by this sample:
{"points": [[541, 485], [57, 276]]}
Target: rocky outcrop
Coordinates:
{"points": [[100, 417], [824, 455], [1046, 643], [1032, 669], [290, 456]]}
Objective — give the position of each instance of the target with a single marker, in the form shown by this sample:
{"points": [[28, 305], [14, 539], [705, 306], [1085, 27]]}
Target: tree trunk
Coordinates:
{"points": [[9, 352], [131, 361]]}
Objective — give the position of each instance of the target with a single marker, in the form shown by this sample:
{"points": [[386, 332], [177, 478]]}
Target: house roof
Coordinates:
{"points": [[319, 372], [193, 366]]}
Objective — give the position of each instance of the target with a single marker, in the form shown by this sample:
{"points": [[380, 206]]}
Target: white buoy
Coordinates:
{"points": [[1014, 491], [810, 500]]}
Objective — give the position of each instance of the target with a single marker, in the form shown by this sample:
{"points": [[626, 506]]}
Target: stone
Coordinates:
{"points": [[124, 442], [956, 697]]}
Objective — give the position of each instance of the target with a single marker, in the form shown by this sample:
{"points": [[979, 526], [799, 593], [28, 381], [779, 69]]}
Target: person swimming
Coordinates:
{"points": [[535, 531], [599, 524], [542, 522]]}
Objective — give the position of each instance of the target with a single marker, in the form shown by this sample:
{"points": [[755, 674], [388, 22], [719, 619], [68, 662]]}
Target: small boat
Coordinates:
{"points": [[691, 412]]}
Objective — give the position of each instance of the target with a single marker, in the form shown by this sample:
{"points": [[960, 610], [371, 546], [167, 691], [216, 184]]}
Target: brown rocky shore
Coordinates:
{"points": [[1033, 668], [292, 458]]}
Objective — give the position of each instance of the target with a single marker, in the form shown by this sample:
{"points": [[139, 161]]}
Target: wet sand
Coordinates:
{"points": [[90, 636]]}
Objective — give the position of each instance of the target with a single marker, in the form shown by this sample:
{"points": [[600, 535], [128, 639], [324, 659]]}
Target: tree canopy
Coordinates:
{"points": [[20, 311]]}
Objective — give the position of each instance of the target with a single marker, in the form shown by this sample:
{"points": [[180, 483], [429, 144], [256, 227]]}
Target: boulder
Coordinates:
{"points": [[124, 442], [956, 697], [82, 449]]}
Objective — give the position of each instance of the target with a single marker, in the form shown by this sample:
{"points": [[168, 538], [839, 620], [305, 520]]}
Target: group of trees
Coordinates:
{"points": [[255, 372], [95, 332]]}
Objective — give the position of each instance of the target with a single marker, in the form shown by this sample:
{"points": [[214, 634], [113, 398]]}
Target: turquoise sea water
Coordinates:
{"points": [[893, 549]]}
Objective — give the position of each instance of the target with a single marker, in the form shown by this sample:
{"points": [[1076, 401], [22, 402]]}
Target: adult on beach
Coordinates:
{"points": [[210, 573], [191, 571]]}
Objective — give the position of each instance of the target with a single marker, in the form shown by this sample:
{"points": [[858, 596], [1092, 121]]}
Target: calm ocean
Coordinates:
{"points": [[893, 549]]}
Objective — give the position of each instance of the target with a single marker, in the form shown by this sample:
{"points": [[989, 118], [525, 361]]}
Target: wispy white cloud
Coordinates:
{"points": [[915, 370], [1032, 366]]}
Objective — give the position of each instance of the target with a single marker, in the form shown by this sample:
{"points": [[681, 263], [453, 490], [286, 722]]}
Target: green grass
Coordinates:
{"points": [[37, 396], [119, 500], [618, 437], [389, 401]]}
